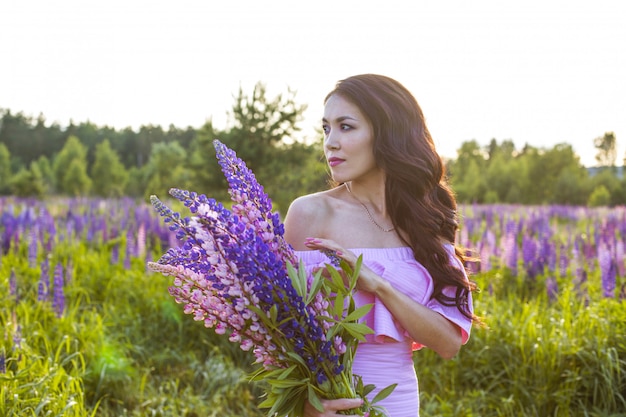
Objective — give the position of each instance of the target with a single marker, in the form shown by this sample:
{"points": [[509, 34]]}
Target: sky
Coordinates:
{"points": [[538, 72]]}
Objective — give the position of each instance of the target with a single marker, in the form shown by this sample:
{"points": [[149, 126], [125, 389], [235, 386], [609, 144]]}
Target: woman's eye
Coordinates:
{"points": [[345, 127], [326, 129]]}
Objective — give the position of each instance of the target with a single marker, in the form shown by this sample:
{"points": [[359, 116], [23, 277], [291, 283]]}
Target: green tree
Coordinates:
{"points": [[166, 169], [599, 197], [467, 172], [544, 168], [607, 180], [606, 149], [260, 124], [297, 169], [28, 183], [261, 133], [469, 185], [73, 150], [108, 173], [43, 166], [206, 175], [5, 168], [76, 182], [571, 187]]}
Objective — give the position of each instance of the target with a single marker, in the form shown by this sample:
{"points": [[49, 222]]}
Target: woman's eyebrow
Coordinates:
{"points": [[341, 119]]}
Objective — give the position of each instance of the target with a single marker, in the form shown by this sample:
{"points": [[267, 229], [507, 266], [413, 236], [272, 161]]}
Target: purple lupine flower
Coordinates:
{"points": [[620, 257], [58, 301], [44, 281], [229, 249], [130, 249], [141, 240], [3, 367], [552, 288], [548, 254], [563, 261], [608, 270], [510, 251], [242, 256], [115, 254], [529, 255], [33, 244], [17, 337], [485, 257], [252, 200], [472, 265]]}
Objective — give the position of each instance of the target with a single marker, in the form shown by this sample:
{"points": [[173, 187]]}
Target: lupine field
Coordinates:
{"points": [[88, 331]]}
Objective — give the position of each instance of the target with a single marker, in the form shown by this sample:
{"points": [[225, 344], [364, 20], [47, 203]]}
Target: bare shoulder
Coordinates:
{"points": [[306, 217]]}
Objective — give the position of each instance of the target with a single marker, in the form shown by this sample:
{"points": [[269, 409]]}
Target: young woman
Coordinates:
{"points": [[391, 205]]}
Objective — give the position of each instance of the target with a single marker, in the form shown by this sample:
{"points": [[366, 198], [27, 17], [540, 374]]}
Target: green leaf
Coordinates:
{"points": [[367, 389], [315, 400], [337, 284], [298, 359], [295, 280], [286, 383], [354, 277], [357, 330], [359, 312], [284, 374], [273, 313], [338, 306], [316, 285], [384, 393]]}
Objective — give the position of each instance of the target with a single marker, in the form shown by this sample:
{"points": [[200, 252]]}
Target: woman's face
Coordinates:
{"points": [[348, 141]]}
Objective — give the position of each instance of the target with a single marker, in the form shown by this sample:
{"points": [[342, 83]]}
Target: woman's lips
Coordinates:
{"points": [[333, 162]]}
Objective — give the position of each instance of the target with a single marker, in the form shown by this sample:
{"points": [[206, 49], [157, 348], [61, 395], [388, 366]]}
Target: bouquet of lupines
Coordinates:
{"points": [[235, 272]]}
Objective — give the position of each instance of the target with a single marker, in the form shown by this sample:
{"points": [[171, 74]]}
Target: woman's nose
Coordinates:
{"points": [[332, 141]]}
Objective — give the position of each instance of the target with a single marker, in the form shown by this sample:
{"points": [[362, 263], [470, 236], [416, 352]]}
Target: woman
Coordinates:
{"points": [[392, 206]]}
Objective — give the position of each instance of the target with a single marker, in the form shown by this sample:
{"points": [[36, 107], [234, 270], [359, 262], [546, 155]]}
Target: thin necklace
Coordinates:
{"points": [[369, 215]]}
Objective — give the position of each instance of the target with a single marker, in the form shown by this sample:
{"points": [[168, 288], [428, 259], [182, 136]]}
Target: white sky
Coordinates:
{"points": [[536, 71]]}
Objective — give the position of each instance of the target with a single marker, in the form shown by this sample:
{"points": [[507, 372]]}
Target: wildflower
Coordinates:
{"points": [[17, 337], [552, 288], [32, 247], [44, 281], [529, 255], [510, 251], [58, 301], [608, 270], [234, 271]]}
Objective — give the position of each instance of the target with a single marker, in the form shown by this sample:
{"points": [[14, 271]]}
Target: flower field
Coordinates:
{"points": [[88, 331]]}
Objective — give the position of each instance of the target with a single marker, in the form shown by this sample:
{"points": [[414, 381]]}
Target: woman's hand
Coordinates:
{"points": [[424, 325], [368, 280], [332, 406]]}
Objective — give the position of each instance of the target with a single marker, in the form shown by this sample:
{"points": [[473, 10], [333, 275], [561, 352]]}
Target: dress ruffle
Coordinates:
{"points": [[399, 267]]}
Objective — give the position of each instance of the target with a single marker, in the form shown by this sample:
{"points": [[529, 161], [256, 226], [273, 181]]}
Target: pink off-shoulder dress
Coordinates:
{"points": [[387, 355]]}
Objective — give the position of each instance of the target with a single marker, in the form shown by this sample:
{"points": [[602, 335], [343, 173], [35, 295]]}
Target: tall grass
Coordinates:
{"points": [[537, 357], [122, 347]]}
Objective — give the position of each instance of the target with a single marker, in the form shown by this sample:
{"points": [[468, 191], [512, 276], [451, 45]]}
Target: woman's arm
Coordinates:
{"points": [[424, 325]]}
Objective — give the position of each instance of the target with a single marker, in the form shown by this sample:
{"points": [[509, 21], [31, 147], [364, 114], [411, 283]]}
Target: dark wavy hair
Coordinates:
{"points": [[419, 201]]}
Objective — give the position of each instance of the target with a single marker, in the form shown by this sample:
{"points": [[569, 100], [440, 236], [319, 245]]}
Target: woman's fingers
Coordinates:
{"points": [[330, 245], [342, 404], [332, 406]]}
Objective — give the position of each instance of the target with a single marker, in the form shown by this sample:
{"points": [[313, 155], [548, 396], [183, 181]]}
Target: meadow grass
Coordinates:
{"points": [[122, 347]]}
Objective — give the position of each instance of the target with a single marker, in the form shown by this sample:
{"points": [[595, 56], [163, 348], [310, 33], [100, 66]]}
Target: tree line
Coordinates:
{"points": [[39, 159]]}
